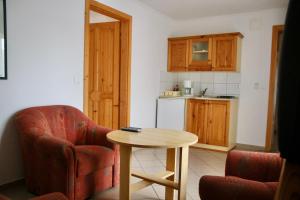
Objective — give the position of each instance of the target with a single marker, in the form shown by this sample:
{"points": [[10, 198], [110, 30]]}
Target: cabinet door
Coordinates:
{"points": [[177, 58], [200, 51], [217, 126], [196, 119], [224, 53]]}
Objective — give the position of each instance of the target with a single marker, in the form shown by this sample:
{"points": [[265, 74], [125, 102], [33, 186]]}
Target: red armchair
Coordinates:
{"points": [[64, 151], [248, 176]]}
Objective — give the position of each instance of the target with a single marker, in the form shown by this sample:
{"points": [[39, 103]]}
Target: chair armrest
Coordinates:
{"points": [[96, 135], [55, 147], [258, 166], [228, 188]]}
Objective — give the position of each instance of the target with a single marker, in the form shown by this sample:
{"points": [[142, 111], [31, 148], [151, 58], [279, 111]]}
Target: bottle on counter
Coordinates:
{"points": [[176, 88]]}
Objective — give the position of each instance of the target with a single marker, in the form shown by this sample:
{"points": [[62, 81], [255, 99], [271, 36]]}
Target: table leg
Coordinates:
{"points": [[125, 173], [183, 172], [170, 166]]}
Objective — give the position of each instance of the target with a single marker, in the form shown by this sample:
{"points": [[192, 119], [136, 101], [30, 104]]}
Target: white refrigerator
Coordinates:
{"points": [[170, 113]]}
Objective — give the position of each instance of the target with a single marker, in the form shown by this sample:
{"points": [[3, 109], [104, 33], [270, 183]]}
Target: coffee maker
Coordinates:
{"points": [[187, 88]]}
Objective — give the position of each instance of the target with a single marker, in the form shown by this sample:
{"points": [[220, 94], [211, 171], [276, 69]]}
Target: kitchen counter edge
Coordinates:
{"points": [[199, 98]]}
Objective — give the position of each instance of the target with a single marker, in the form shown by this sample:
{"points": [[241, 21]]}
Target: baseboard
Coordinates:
{"points": [[12, 184], [248, 147]]}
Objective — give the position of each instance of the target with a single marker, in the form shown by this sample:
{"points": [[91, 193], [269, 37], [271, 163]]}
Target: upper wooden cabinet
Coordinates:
{"points": [[177, 55], [218, 52], [226, 51], [200, 51]]}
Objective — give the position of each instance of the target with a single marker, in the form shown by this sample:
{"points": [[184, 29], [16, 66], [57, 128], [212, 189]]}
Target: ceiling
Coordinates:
{"points": [[190, 9]]}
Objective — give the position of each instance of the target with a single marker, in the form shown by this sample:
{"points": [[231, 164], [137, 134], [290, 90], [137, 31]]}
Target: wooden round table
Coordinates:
{"points": [[154, 138]]}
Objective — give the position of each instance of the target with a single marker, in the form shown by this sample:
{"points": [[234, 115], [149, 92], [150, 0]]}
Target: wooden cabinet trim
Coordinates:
{"points": [[208, 35]]}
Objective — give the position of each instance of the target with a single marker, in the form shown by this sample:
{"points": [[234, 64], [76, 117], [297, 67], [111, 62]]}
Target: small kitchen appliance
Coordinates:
{"points": [[187, 88]]}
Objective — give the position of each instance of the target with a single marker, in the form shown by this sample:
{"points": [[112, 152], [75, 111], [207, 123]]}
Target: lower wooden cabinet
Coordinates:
{"points": [[213, 121]]}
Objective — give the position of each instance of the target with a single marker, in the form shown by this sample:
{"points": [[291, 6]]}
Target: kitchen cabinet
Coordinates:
{"points": [[196, 119], [226, 50], [177, 55], [213, 121], [200, 51], [215, 52]]}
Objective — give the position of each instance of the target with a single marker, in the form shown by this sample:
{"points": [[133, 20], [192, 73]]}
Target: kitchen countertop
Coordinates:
{"points": [[197, 97]]}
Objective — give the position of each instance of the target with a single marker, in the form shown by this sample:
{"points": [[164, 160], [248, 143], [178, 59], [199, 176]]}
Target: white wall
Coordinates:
{"points": [[45, 64], [255, 64]]}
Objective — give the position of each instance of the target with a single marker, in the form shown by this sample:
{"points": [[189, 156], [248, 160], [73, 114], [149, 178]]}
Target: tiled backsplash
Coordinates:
{"points": [[217, 83]]}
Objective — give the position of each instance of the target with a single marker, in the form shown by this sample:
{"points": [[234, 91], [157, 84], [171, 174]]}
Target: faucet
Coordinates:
{"points": [[202, 93]]}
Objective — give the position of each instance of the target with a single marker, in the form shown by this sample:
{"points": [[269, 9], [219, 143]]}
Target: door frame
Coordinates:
{"points": [[277, 29], [125, 57]]}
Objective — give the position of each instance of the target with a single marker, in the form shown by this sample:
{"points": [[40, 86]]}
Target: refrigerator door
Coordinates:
{"points": [[170, 114]]}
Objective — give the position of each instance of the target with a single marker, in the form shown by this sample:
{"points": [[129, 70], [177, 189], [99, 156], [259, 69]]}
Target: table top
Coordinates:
{"points": [[153, 138]]}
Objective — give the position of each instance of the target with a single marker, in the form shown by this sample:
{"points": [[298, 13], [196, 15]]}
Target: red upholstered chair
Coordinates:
{"points": [[64, 151], [248, 176]]}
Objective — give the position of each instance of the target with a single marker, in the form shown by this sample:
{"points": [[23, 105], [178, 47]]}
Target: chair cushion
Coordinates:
{"points": [[91, 158]]}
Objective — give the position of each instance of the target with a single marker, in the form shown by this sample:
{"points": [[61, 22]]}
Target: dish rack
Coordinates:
{"points": [[172, 93]]}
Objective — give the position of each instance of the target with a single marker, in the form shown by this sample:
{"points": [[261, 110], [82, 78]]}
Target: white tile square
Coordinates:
{"points": [[220, 77], [233, 89], [183, 76], [220, 89], [233, 77], [207, 77], [195, 76], [197, 88], [166, 86]]}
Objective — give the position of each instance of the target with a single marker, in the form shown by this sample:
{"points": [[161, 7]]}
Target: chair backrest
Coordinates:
{"points": [[61, 121], [258, 166]]}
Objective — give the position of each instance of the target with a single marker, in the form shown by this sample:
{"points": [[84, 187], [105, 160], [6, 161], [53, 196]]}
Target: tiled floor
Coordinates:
{"points": [[201, 162]]}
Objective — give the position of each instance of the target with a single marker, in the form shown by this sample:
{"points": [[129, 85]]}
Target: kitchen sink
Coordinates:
{"points": [[218, 96], [225, 97]]}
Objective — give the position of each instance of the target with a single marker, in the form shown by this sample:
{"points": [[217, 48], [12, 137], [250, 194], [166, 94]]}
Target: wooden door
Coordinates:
{"points": [[224, 53], [200, 54], [177, 55], [217, 126], [104, 71], [196, 119]]}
